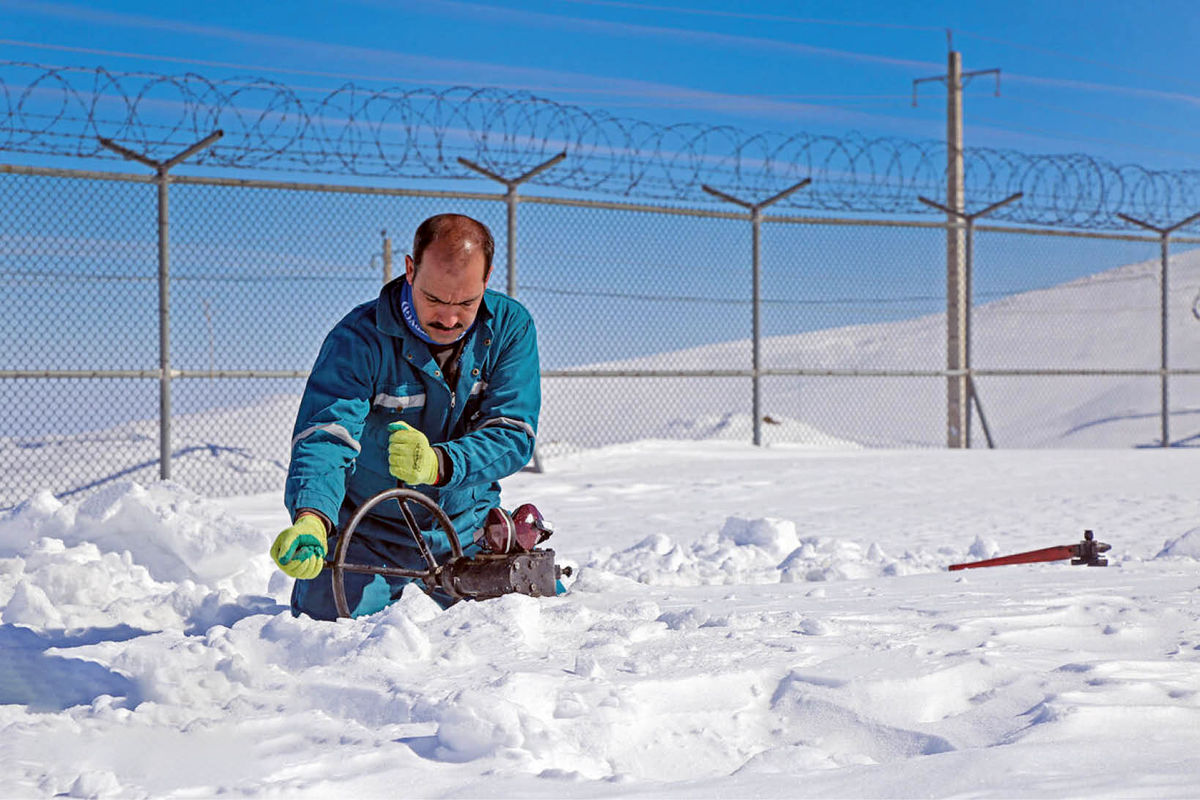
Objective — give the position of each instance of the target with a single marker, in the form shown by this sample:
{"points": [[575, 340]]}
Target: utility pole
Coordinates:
{"points": [[957, 388]]}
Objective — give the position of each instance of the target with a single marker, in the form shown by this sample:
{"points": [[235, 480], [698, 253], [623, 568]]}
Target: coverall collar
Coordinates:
{"points": [[387, 310]]}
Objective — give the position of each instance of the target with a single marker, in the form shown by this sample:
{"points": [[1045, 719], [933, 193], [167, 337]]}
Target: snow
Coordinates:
{"points": [[1185, 546], [742, 621]]}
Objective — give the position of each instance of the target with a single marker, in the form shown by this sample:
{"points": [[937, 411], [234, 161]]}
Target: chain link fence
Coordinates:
{"points": [[643, 313], [1092, 306]]}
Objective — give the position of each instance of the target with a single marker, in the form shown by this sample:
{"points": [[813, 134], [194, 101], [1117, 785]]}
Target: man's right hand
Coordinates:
{"points": [[300, 550]]}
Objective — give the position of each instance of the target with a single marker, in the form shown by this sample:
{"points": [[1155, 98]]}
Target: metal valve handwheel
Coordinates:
{"points": [[479, 577], [428, 576]]}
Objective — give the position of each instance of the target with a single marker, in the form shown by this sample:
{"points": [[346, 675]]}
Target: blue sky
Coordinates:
{"points": [[1113, 79]]}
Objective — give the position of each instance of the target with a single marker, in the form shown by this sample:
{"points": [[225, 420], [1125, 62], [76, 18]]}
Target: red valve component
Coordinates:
{"points": [[531, 527], [518, 532], [499, 533]]}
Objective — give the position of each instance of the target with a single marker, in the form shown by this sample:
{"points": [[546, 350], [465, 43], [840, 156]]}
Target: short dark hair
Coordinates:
{"points": [[456, 226]]}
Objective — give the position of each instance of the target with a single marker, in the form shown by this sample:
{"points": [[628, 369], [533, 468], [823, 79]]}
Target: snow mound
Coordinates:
{"points": [[151, 557], [1185, 546], [983, 548], [774, 536], [166, 528], [821, 558], [753, 551]]}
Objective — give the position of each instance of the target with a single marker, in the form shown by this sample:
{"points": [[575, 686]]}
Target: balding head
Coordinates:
{"points": [[457, 238], [448, 273]]}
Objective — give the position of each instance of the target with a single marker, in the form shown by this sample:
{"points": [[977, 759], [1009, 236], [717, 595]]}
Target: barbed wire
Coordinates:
{"points": [[419, 134]]}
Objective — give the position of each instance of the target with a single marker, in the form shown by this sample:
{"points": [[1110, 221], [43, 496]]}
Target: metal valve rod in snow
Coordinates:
{"points": [[1086, 553]]}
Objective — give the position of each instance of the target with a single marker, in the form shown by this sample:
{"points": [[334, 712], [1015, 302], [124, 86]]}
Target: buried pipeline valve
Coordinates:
{"points": [[511, 564]]}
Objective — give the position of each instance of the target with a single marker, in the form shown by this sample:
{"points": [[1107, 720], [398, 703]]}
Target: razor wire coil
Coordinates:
{"points": [[420, 133]]}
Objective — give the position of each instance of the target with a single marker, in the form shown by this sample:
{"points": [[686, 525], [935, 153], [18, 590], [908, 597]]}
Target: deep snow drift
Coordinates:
{"points": [[772, 622]]}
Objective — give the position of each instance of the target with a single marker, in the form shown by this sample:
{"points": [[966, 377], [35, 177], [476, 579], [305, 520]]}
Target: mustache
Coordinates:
{"points": [[437, 326]]}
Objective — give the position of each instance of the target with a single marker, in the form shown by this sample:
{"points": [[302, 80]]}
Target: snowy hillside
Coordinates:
{"points": [[1110, 320]]}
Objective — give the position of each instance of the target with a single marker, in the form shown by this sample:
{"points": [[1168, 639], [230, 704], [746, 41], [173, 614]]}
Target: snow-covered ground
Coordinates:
{"points": [[744, 622]]}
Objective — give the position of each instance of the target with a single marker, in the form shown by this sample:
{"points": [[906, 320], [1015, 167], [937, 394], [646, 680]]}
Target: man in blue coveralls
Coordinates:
{"points": [[435, 383]]}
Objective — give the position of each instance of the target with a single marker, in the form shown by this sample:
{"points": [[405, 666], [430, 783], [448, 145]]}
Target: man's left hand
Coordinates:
{"points": [[410, 457]]}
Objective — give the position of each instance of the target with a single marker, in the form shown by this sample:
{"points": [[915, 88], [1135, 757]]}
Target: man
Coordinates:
{"points": [[436, 383]]}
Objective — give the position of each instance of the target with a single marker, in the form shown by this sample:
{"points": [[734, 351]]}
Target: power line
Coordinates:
{"points": [[1106, 117], [896, 26], [758, 17], [660, 298], [671, 94], [1081, 59], [205, 278], [736, 103], [201, 62], [667, 96], [835, 301], [1074, 137]]}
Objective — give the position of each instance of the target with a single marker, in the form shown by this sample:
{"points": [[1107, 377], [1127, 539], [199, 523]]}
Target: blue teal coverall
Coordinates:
{"points": [[372, 371]]}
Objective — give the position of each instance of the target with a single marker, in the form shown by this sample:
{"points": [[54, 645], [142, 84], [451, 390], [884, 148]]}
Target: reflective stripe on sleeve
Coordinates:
{"points": [[333, 429], [508, 422], [400, 401]]}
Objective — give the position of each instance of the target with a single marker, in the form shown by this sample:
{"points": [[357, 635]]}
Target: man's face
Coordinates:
{"points": [[447, 289]]}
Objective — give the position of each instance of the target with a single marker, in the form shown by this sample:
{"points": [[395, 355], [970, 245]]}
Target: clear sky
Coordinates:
{"points": [[1111, 78]]}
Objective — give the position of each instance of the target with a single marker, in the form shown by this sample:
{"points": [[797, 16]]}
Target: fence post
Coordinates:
{"points": [[1164, 252], [755, 210], [510, 200], [387, 257], [967, 308], [163, 180]]}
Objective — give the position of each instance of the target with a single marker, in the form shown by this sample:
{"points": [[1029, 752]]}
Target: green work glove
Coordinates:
{"points": [[410, 458], [300, 550]]}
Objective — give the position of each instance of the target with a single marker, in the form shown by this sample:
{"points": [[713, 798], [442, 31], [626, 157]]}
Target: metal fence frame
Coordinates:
{"points": [[754, 373]]}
